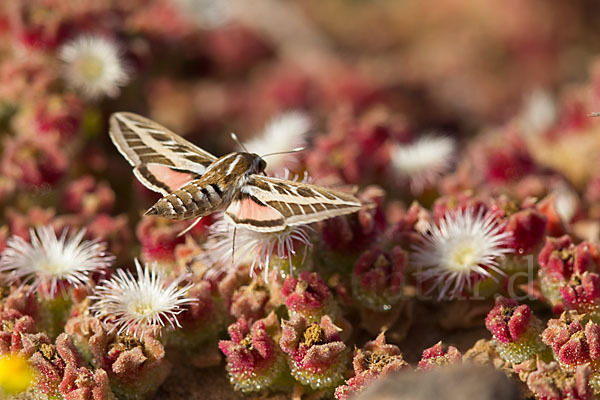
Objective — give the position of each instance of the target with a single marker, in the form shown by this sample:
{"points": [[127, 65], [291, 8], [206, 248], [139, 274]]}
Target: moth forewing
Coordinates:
{"points": [[161, 140], [300, 203], [162, 160], [322, 215]]}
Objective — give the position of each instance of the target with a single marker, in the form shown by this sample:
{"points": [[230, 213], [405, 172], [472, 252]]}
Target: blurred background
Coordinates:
{"points": [[381, 70]]}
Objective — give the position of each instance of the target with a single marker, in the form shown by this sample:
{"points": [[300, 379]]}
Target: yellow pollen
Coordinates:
{"points": [[53, 268], [90, 67], [463, 256], [314, 335], [144, 308], [47, 351]]}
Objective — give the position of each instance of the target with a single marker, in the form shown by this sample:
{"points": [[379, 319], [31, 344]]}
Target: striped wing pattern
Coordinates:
{"points": [[269, 204], [195, 183], [162, 160]]}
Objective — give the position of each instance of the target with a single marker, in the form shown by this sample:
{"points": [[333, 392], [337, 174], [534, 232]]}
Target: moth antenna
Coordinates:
{"points": [[296, 150], [235, 139], [189, 228]]}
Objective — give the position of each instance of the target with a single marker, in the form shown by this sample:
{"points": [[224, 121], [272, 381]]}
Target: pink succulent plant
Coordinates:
{"points": [[374, 361], [201, 320], [249, 302], [582, 293], [562, 269], [135, 368], [33, 162], [61, 373], [406, 231], [19, 334], [159, 238], [378, 277], [89, 197], [254, 360], [550, 382], [515, 330], [435, 357], [317, 357], [528, 229], [573, 341], [309, 296], [561, 257]]}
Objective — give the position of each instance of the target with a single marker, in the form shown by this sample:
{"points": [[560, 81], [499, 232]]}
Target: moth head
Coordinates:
{"points": [[258, 165]]}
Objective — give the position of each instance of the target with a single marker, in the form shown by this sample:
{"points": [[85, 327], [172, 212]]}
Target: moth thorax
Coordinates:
{"points": [[241, 163], [259, 165]]}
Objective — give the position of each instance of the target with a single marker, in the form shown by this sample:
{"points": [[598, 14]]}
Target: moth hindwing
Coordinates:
{"points": [[194, 183]]}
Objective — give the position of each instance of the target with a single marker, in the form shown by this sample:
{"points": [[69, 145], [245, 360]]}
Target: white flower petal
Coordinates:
{"points": [[285, 132], [539, 113], [422, 162], [256, 249], [209, 14]]}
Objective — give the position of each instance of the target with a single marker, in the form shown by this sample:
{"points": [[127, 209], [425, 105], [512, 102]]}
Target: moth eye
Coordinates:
{"points": [[262, 165]]}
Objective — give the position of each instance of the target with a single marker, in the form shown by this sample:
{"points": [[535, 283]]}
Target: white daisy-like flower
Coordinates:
{"points": [[138, 304], [464, 245], [52, 262], [283, 133], [209, 14], [422, 162], [539, 113], [256, 249], [94, 66]]}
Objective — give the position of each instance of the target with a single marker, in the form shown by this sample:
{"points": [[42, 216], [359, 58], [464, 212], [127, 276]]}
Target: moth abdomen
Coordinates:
{"points": [[190, 201], [170, 207], [209, 196]]}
